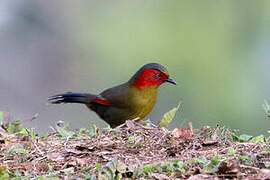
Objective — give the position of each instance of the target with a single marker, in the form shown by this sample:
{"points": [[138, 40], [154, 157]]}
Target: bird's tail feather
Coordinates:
{"points": [[71, 97]]}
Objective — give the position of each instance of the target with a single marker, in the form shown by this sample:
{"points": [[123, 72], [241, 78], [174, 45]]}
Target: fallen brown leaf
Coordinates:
{"points": [[181, 133]]}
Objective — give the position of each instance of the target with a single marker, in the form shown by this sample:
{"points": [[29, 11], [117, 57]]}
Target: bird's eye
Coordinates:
{"points": [[158, 75]]}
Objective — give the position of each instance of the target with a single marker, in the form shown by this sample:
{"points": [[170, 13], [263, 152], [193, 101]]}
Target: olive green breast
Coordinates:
{"points": [[141, 102]]}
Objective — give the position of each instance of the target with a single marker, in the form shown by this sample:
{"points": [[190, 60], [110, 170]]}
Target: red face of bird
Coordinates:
{"points": [[151, 75]]}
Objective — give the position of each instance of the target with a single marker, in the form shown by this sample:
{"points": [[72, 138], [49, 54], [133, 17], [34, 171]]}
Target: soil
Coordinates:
{"points": [[134, 151]]}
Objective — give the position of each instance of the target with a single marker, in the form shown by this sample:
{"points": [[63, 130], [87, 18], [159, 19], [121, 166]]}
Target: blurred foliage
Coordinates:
{"points": [[211, 48]]}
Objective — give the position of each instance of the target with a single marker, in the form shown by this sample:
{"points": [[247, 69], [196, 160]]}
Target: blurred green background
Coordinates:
{"points": [[218, 52]]}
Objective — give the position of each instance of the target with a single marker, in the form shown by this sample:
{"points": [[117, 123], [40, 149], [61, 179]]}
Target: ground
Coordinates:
{"points": [[132, 151]]}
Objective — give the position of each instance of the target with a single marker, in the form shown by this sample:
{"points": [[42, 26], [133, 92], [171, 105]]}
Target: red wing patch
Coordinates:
{"points": [[101, 100]]}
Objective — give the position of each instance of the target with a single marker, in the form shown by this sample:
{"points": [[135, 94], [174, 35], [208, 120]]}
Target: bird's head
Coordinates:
{"points": [[151, 75]]}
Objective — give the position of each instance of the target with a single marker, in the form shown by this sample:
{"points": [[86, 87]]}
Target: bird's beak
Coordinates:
{"points": [[170, 80]]}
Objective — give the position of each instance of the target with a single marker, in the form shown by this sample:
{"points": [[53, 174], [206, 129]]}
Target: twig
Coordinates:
{"points": [[32, 118], [249, 167], [191, 127], [38, 149]]}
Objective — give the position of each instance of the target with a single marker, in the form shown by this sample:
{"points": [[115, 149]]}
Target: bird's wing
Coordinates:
{"points": [[101, 100], [117, 96]]}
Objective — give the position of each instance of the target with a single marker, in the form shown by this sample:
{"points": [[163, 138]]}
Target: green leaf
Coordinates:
{"points": [[243, 158], [202, 160], [112, 170], [15, 149], [98, 166], [63, 132], [234, 137], [23, 132], [179, 165], [231, 151], [1, 117], [95, 128], [32, 134], [4, 173], [88, 169], [14, 127], [49, 167], [259, 139], [267, 164], [116, 130], [43, 135], [91, 133], [82, 130], [168, 117], [190, 161], [131, 138], [244, 137], [157, 167], [148, 168], [211, 170], [215, 160], [108, 128], [167, 166], [48, 177]]}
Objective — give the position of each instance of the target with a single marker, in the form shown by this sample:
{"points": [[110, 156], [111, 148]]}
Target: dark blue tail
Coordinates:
{"points": [[71, 97]]}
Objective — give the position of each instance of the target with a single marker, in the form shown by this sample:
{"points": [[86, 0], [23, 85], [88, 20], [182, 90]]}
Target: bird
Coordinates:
{"points": [[132, 100]]}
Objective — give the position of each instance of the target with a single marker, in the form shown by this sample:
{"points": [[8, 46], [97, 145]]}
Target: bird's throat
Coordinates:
{"points": [[142, 101]]}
